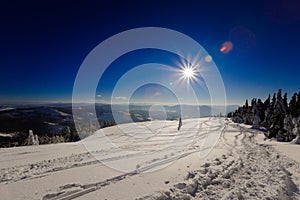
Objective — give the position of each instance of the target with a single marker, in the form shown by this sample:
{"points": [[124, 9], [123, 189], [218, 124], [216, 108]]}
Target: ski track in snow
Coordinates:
{"points": [[70, 191], [248, 171]]}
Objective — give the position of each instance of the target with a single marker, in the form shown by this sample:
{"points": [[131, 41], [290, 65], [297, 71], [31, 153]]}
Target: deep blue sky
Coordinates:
{"points": [[43, 43]]}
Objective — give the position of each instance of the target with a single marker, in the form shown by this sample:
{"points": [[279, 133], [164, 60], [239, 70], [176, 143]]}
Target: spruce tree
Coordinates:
{"points": [[267, 113], [285, 102], [293, 106], [297, 111], [253, 102], [288, 128], [277, 116], [267, 102], [260, 110], [273, 101], [246, 104]]}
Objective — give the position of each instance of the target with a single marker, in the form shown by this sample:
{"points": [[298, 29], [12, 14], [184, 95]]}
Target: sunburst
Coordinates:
{"points": [[188, 72]]}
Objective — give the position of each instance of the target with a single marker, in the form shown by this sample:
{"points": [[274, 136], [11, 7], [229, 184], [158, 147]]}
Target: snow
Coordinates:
{"points": [[6, 135], [61, 113], [153, 160], [6, 109]]}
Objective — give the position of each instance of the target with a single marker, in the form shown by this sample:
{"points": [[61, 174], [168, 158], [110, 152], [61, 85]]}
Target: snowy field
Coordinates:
{"points": [[155, 161]]}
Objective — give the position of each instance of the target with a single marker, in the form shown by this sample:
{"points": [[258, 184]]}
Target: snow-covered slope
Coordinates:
{"points": [[153, 160]]}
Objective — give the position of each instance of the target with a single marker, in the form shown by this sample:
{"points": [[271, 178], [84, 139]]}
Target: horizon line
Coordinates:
{"points": [[88, 103]]}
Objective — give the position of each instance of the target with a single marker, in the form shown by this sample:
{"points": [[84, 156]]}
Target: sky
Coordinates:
{"points": [[44, 43]]}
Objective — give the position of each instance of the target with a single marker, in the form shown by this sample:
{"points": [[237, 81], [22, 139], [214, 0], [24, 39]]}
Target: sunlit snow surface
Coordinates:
{"points": [[241, 157], [152, 145]]}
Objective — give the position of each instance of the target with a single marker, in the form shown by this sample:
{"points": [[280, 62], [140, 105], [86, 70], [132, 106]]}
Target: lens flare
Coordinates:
{"points": [[208, 58], [226, 47]]}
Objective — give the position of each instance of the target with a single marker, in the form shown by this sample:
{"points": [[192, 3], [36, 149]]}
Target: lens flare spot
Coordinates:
{"points": [[226, 47], [208, 58]]}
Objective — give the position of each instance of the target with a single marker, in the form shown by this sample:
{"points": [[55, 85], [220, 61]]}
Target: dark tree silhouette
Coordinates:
{"points": [[279, 117]]}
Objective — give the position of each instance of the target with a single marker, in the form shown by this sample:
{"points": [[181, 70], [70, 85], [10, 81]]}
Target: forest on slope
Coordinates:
{"points": [[279, 117]]}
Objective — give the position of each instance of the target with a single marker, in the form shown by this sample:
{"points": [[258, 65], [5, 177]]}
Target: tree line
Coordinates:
{"points": [[280, 117]]}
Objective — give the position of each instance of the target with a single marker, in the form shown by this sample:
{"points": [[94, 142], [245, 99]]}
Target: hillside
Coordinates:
{"points": [[155, 161]]}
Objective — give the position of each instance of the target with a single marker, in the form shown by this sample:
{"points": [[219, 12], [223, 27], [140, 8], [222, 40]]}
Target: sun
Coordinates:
{"points": [[188, 72]]}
